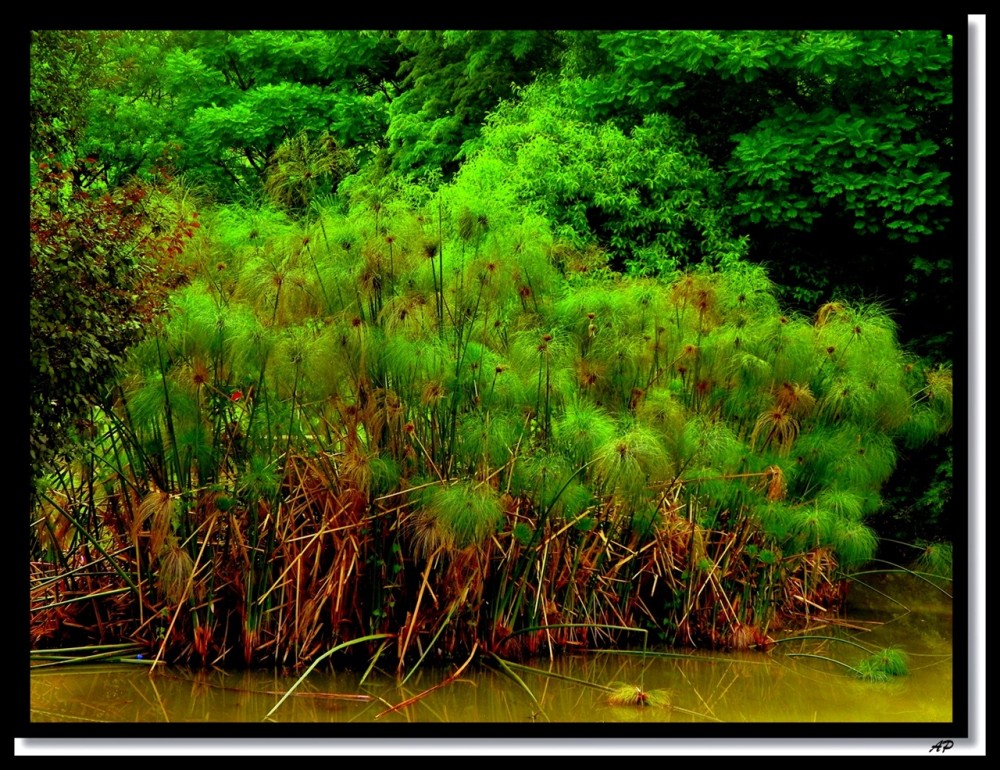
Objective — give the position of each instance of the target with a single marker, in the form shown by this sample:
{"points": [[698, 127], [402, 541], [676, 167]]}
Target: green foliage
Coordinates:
{"points": [[837, 150], [630, 695], [551, 483], [133, 126], [582, 428], [867, 164], [646, 195], [385, 475], [487, 441], [450, 81], [556, 367], [221, 103], [458, 516], [848, 505], [259, 480], [459, 361], [365, 376], [302, 169], [883, 665], [99, 264], [833, 149], [855, 118], [64, 65], [855, 543], [629, 461], [936, 559], [410, 378]]}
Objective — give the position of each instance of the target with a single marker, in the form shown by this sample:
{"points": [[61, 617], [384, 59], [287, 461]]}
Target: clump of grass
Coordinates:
{"points": [[176, 567], [457, 516], [630, 695], [883, 665], [936, 559]]}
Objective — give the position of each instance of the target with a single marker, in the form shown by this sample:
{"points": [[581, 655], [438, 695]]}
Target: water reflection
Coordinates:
{"points": [[805, 680]]}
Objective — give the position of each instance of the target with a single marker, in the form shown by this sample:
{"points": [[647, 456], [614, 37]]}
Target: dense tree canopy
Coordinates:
{"points": [[844, 135], [451, 80], [223, 102], [645, 195], [833, 149]]}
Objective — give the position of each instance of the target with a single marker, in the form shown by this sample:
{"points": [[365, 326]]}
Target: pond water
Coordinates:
{"points": [[805, 681]]}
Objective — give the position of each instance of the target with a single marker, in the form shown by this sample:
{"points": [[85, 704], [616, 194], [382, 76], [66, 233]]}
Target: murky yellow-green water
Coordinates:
{"points": [[788, 684]]}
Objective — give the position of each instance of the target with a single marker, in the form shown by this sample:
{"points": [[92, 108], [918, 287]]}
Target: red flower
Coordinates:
{"points": [[237, 395]]}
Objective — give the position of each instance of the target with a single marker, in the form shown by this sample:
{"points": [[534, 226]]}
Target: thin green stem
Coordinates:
{"points": [[824, 639], [319, 660], [824, 658]]}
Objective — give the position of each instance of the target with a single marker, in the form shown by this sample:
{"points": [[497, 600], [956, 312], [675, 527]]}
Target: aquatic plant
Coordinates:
{"points": [[630, 695], [400, 417], [883, 665]]}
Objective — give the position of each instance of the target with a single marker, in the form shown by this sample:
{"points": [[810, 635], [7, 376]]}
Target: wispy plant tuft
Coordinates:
{"points": [[631, 695], [626, 464], [457, 516], [582, 428], [936, 559], [883, 665]]}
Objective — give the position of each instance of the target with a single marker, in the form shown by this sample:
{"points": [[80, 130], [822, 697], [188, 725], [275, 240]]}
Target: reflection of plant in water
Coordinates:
{"points": [[630, 695]]}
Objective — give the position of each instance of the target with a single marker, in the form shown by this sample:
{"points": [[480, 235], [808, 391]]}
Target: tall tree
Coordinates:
{"points": [[99, 257], [450, 81], [222, 102], [63, 66], [645, 195]]}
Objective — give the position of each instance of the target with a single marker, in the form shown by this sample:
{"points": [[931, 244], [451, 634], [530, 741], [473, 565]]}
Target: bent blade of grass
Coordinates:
{"points": [[89, 648], [828, 660], [374, 660], [924, 576], [510, 672], [444, 683], [319, 660], [680, 655], [810, 637], [694, 713], [880, 593], [75, 660], [64, 717], [510, 665], [82, 598]]}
